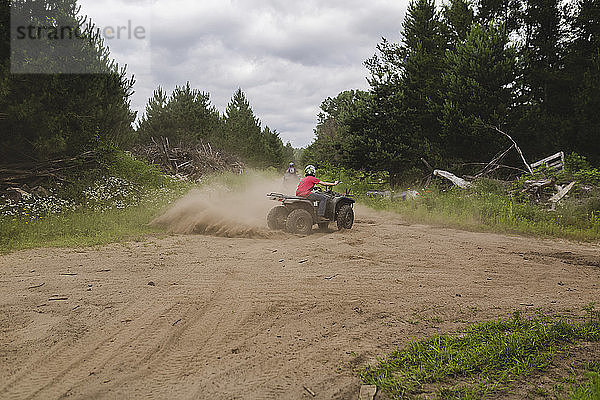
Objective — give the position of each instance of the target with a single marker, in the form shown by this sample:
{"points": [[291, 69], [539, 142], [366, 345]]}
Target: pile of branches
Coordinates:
{"points": [[31, 174], [187, 161]]}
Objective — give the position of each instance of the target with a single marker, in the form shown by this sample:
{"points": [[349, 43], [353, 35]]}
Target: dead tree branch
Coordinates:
{"points": [[515, 145]]}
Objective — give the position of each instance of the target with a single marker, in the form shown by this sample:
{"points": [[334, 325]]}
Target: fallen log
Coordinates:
{"points": [[562, 193], [460, 182]]}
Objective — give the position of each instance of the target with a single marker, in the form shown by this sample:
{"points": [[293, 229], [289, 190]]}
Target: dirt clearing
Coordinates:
{"points": [[199, 316]]}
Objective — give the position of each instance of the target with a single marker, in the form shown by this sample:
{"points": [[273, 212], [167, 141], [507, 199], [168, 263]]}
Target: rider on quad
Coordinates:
{"points": [[291, 175], [291, 169], [306, 186]]}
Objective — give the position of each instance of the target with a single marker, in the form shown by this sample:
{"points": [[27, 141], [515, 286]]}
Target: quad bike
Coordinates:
{"points": [[299, 214]]}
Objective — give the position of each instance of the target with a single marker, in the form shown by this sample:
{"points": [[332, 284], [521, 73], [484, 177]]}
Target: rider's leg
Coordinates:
{"points": [[322, 202]]}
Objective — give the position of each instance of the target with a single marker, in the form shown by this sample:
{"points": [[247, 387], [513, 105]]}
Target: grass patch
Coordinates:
{"points": [[83, 227], [488, 205], [484, 360], [589, 390], [493, 212]]}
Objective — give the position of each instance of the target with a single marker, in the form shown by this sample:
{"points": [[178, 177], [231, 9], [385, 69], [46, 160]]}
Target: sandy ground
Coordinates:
{"points": [[198, 316]]}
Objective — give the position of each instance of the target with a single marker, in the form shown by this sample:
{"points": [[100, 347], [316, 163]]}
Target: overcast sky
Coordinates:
{"points": [[287, 56]]}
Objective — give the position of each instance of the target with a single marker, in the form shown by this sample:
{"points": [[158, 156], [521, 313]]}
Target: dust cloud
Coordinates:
{"points": [[218, 210]]}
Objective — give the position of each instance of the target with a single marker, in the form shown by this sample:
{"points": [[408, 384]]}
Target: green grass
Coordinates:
{"points": [[486, 206], [493, 212], [479, 362], [78, 228], [589, 390]]}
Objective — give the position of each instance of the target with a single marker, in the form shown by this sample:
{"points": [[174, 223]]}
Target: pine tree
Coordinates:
{"points": [[274, 151], [582, 72], [342, 130], [406, 84], [186, 115], [242, 128], [49, 115], [458, 16], [478, 91]]}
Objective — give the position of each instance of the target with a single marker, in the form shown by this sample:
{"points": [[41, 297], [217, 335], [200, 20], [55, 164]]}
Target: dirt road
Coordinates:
{"points": [[196, 316]]}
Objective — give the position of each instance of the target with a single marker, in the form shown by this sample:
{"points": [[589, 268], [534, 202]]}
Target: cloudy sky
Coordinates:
{"points": [[287, 56]]}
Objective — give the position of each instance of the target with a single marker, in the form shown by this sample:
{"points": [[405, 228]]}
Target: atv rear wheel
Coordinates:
{"points": [[299, 221], [276, 217], [345, 217]]}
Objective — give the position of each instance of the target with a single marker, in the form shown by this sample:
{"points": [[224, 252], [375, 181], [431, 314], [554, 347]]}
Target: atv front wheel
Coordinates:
{"points": [[299, 221], [276, 217], [345, 217]]}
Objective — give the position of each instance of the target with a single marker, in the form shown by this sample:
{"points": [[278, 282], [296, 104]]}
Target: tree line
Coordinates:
{"points": [[187, 115], [462, 69], [52, 115]]}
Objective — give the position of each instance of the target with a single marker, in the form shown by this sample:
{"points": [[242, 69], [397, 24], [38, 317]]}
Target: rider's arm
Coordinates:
{"points": [[328, 183]]}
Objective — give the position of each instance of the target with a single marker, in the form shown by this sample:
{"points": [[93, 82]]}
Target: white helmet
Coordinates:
{"points": [[310, 170]]}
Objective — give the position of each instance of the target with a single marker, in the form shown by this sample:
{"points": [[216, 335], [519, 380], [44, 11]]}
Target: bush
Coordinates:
{"points": [[358, 182], [125, 166]]}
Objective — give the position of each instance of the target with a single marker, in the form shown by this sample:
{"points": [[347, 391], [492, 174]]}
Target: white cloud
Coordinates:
{"points": [[286, 56]]}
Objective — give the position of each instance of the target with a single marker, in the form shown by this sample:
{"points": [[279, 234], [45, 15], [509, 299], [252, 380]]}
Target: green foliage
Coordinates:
{"points": [[243, 135], [340, 128], [477, 81], [480, 210], [83, 227], [575, 162], [49, 115], [591, 175], [406, 92], [489, 186], [186, 115], [125, 166], [529, 67], [589, 390], [458, 16], [357, 182], [110, 209], [242, 127], [479, 362]]}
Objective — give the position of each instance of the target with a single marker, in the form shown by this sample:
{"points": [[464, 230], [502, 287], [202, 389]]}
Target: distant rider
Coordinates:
{"points": [[291, 169], [306, 186]]}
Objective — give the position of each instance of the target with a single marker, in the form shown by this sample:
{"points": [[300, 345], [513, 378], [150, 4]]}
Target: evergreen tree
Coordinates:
{"points": [[503, 12], [582, 72], [542, 50], [341, 131], [48, 115], [186, 115], [541, 104], [478, 92], [290, 153], [458, 16], [242, 129], [406, 84], [274, 151]]}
